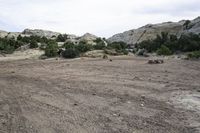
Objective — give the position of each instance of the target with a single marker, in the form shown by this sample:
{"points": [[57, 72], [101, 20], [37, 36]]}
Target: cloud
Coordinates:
{"points": [[100, 17], [174, 8]]}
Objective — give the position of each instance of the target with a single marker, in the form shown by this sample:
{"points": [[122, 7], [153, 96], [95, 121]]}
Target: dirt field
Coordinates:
{"points": [[126, 95]]}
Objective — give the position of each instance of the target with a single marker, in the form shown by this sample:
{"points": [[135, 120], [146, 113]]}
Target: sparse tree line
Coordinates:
{"points": [[51, 48], [163, 44], [71, 50], [166, 44]]}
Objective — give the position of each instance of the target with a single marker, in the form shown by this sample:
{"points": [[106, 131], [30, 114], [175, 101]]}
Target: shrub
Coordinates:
{"points": [[60, 38], [33, 44], [51, 49], [118, 45], [19, 38], [164, 51], [186, 24], [98, 40], [186, 43], [194, 55], [125, 52], [8, 46], [68, 45], [70, 53], [99, 46], [83, 47]]}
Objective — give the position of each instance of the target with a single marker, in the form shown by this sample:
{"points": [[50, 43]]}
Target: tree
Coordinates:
{"points": [[68, 45], [19, 38], [33, 44], [118, 45], [99, 46], [194, 55], [164, 51], [186, 24], [51, 49], [62, 38], [70, 53], [83, 47]]}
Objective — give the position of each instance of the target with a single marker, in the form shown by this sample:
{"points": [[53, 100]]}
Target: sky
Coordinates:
{"points": [[103, 18]]}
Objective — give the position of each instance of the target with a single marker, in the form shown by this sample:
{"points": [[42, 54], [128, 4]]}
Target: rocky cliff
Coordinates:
{"points": [[39, 32], [49, 34], [29, 32], [151, 30]]}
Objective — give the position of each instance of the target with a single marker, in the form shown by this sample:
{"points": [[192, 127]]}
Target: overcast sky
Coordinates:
{"points": [[100, 17]]}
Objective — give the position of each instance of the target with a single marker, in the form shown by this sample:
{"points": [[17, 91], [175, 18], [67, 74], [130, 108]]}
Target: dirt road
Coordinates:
{"points": [[126, 95]]}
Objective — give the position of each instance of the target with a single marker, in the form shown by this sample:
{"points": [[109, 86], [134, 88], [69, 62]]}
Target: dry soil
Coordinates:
{"points": [[125, 95]]}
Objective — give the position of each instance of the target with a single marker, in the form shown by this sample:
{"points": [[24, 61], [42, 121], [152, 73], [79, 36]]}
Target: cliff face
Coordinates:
{"points": [[49, 34], [150, 31], [38, 32], [29, 32]]}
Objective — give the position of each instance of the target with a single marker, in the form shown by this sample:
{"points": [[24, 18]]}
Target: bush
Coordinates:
{"points": [[8, 46], [186, 43], [125, 52], [70, 53], [98, 40], [118, 45], [68, 45], [99, 46], [194, 55], [33, 44], [83, 47], [164, 51], [51, 49]]}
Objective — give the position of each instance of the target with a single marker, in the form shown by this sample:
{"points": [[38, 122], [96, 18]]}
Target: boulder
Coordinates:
{"points": [[156, 61]]}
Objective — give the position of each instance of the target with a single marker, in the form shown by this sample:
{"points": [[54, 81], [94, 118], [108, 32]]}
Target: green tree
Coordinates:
{"points": [[68, 45], [164, 51], [118, 45], [19, 38], [100, 45], [51, 49], [70, 53], [83, 47], [33, 44]]}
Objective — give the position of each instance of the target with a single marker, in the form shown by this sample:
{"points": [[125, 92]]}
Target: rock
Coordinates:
{"points": [[23, 48], [88, 37], [141, 52], [41, 33], [150, 31], [157, 61], [3, 34], [105, 56], [143, 97], [12, 71]]}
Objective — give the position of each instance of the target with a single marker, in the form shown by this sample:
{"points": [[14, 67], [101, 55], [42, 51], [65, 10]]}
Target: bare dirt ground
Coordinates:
{"points": [[20, 55], [126, 95]]}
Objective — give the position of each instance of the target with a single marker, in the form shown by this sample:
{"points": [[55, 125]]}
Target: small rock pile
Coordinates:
{"points": [[156, 61]]}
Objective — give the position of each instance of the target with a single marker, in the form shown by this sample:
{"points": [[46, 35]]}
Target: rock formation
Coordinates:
{"points": [[41, 33], [150, 31]]}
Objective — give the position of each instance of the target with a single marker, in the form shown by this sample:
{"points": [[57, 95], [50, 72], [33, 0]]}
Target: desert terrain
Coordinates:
{"points": [[125, 95]]}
